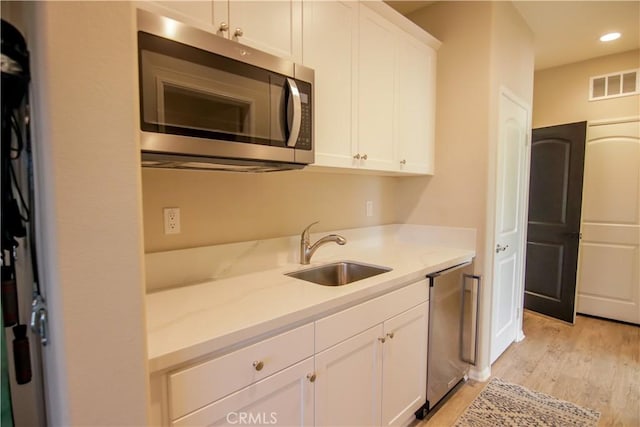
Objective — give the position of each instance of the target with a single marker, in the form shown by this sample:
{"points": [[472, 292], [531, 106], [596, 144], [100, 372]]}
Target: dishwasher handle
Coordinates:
{"points": [[472, 330]]}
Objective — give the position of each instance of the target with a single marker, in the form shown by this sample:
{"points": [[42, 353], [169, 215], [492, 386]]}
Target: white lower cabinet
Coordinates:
{"points": [[283, 399], [267, 380], [377, 377], [371, 360], [348, 382], [404, 365], [362, 366]]}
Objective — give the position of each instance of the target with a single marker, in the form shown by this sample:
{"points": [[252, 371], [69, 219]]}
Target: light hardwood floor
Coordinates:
{"points": [[595, 363]]}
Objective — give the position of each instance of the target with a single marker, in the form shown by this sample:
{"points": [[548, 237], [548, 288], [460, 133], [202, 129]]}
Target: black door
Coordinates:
{"points": [[555, 197]]}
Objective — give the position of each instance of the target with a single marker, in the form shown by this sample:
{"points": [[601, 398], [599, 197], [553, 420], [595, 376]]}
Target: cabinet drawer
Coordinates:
{"points": [[347, 323], [283, 399], [199, 385]]}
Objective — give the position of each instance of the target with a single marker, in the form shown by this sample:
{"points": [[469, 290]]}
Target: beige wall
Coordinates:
{"points": [[455, 195], [486, 46], [561, 94], [223, 207], [83, 59]]}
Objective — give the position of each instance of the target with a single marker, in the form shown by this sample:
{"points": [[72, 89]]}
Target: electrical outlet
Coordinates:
{"points": [[171, 220], [369, 205]]}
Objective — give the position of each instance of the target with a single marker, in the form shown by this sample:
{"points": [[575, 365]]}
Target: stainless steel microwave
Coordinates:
{"points": [[211, 103]]}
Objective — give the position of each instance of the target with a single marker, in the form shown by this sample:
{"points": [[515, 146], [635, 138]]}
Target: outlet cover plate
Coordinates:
{"points": [[171, 220]]}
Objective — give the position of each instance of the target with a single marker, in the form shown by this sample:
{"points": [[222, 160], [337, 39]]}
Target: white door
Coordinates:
{"points": [[348, 381], [608, 271], [404, 365], [511, 177], [330, 48], [282, 399]]}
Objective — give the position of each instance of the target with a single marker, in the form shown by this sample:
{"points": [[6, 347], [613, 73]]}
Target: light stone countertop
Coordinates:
{"points": [[194, 321]]}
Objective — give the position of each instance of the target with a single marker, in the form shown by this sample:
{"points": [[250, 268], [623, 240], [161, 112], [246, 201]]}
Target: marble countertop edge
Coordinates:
{"points": [[182, 338]]}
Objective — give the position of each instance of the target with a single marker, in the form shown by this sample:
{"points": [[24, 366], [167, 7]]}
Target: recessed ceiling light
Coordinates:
{"points": [[610, 37]]}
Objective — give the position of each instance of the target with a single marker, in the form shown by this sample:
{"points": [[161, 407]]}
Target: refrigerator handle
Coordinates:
{"points": [[474, 324]]}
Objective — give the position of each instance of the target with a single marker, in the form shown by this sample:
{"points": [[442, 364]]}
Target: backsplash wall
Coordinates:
{"points": [[224, 207]]}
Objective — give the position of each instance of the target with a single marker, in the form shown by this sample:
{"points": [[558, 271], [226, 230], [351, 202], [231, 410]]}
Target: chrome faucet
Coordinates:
{"points": [[307, 249]]}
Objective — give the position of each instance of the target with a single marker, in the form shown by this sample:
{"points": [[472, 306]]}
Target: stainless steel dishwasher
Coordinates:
{"points": [[453, 308]]}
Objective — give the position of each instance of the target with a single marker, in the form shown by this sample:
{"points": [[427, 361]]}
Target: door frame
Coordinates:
{"points": [[522, 217]]}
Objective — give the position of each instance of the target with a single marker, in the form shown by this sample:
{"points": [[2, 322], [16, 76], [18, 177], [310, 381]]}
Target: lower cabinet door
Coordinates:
{"points": [[404, 365], [348, 381], [285, 398]]}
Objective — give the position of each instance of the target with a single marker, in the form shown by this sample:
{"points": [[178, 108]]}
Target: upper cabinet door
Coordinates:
{"points": [[271, 26], [415, 106], [376, 94], [330, 42], [198, 13]]}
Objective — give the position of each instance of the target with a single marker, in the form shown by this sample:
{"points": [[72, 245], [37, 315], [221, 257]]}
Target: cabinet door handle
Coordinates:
{"points": [[224, 27], [258, 365], [238, 33], [403, 161], [364, 157], [382, 339], [311, 377], [357, 156], [391, 335]]}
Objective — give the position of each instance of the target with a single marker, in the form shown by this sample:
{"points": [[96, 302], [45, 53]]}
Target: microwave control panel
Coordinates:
{"points": [[306, 132]]}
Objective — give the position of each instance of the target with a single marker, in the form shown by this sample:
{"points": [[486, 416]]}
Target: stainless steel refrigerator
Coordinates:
{"points": [[453, 307]]}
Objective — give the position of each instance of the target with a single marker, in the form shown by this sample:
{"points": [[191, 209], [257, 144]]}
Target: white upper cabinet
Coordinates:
{"points": [[415, 106], [271, 26], [375, 87], [376, 91], [330, 38], [374, 106], [192, 12]]}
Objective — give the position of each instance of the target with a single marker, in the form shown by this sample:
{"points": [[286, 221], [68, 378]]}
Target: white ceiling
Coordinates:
{"points": [[569, 31]]}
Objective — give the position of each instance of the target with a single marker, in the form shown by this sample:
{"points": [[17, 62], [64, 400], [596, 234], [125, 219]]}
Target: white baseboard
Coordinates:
{"points": [[520, 336]]}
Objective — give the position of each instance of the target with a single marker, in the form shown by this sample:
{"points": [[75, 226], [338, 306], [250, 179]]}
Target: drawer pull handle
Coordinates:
{"points": [[390, 335], [258, 364], [382, 339], [311, 377]]}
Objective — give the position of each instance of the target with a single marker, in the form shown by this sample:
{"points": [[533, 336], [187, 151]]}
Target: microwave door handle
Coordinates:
{"points": [[294, 113]]}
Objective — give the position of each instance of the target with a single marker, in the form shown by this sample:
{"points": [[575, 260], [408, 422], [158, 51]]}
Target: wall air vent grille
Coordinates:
{"points": [[623, 83]]}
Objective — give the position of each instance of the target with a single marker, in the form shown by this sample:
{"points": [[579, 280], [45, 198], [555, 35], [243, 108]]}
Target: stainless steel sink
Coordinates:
{"points": [[338, 273]]}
